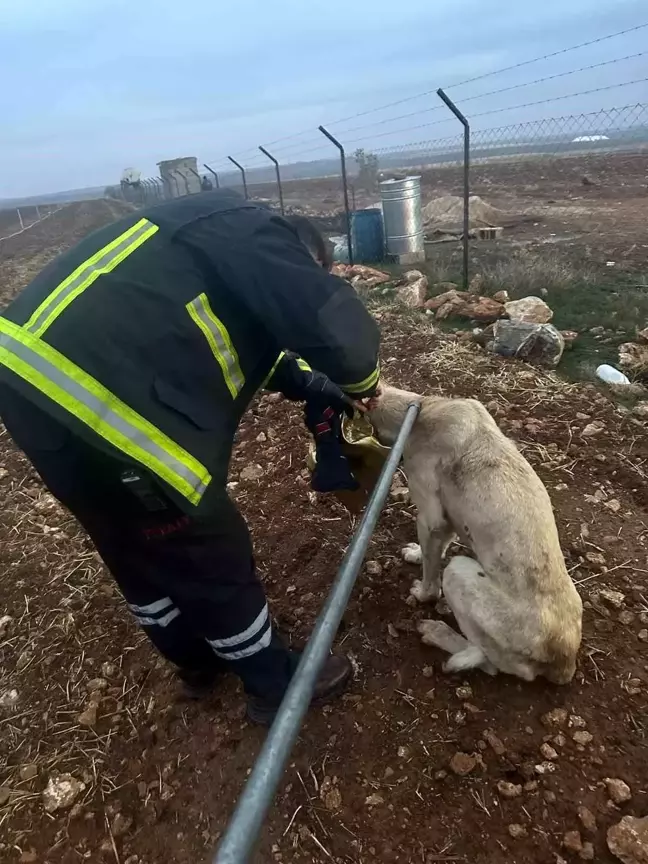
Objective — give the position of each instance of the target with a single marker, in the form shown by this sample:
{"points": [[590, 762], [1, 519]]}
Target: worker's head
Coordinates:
{"points": [[312, 239]]}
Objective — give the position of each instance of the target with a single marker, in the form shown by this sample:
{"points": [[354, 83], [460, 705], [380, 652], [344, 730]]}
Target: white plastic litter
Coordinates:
{"points": [[611, 375]]}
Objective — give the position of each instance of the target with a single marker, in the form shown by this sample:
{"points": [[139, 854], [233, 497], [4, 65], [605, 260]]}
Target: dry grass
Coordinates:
{"points": [[526, 272]]}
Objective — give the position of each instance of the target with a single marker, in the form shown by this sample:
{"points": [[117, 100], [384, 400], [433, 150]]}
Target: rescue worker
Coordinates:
{"points": [[205, 184], [125, 367]]}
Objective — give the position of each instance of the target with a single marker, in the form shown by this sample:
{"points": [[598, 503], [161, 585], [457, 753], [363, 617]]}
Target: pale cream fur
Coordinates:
{"points": [[515, 604]]}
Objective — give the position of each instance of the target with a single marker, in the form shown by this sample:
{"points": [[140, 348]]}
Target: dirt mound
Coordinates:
{"points": [[445, 215]]}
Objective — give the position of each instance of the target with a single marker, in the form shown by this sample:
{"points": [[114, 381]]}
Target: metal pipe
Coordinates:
{"points": [[240, 837], [278, 173], [214, 173], [466, 183], [242, 170], [345, 187]]}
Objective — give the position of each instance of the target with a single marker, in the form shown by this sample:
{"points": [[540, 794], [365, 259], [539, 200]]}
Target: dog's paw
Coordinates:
{"points": [[432, 632], [421, 594], [412, 553]]}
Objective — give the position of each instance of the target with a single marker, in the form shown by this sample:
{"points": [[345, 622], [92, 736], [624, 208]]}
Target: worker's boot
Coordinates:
{"points": [[332, 681], [200, 683]]}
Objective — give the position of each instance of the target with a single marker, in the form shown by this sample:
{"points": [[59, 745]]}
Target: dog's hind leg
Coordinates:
{"points": [[464, 655]]}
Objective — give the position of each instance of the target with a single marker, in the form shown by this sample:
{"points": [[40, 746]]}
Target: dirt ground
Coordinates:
{"points": [[372, 777]]}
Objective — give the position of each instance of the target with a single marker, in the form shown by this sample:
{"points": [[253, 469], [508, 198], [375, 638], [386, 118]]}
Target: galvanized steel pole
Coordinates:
{"points": [[242, 170], [214, 173], [241, 835], [278, 173], [345, 186], [466, 191]]}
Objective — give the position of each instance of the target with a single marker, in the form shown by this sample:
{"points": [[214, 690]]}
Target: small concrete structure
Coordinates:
{"points": [[178, 177]]}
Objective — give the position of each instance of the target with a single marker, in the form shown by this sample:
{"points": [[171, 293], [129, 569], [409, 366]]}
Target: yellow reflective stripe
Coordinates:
{"points": [[369, 382], [303, 365], [69, 386], [103, 261], [273, 370], [219, 341]]}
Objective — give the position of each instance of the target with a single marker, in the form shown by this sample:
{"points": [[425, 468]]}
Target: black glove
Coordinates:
{"points": [[332, 470], [321, 392]]}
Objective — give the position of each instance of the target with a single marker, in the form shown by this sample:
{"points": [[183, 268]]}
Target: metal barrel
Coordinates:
{"points": [[403, 217]]}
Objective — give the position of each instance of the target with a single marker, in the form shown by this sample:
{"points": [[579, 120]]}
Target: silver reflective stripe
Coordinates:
{"points": [[89, 272], [254, 648], [102, 411], [232, 369], [152, 608], [159, 622], [244, 635]]}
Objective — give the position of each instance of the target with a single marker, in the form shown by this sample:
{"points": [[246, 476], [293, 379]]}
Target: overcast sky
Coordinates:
{"points": [[94, 86]]}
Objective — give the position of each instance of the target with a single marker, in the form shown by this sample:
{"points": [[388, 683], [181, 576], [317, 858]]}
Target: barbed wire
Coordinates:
{"points": [[425, 93], [436, 108]]}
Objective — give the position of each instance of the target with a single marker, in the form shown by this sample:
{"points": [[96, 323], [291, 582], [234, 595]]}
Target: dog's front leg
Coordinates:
{"points": [[433, 543]]}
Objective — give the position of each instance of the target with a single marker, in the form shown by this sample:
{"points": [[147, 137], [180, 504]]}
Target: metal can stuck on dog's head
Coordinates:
{"points": [[366, 457]]}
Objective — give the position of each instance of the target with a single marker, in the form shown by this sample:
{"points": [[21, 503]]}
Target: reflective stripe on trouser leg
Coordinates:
{"points": [[247, 642], [160, 613]]}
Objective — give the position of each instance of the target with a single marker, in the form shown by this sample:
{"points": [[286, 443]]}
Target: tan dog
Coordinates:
{"points": [[516, 604]]}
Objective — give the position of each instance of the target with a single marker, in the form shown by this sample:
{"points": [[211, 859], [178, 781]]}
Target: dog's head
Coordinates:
{"points": [[387, 410]]}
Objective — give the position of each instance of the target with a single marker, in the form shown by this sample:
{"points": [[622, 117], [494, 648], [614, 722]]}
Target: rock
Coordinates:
{"points": [[587, 852], [9, 699], [373, 568], [252, 472], [642, 335], [545, 768], [374, 800], [88, 717], [583, 738], [261, 438], [508, 790], [29, 856], [463, 763], [548, 752], [625, 616], [587, 818], [615, 599], [61, 792], [618, 790], [494, 742], [569, 337], [576, 722], [361, 276], [501, 297], [628, 840], [528, 310], [536, 343], [555, 717], [465, 692], [121, 825], [108, 669], [633, 357], [595, 558], [639, 410], [5, 621], [28, 772], [642, 635], [428, 671], [96, 685], [594, 428], [414, 292], [465, 305], [573, 842], [516, 831], [389, 772], [5, 795]]}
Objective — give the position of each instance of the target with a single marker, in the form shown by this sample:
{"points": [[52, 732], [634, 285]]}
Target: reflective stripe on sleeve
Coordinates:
{"points": [[360, 387], [69, 386], [103, 261], [219, 341], [273, 370]]}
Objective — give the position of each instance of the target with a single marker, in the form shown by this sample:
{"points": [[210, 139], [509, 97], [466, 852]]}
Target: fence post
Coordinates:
{"points": [[184, 180], [196, 174], [38, 216], [466, 183], [242, 170], [20, 219], [156, 187], [211, 170], [278, 173], [345, 187]]}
